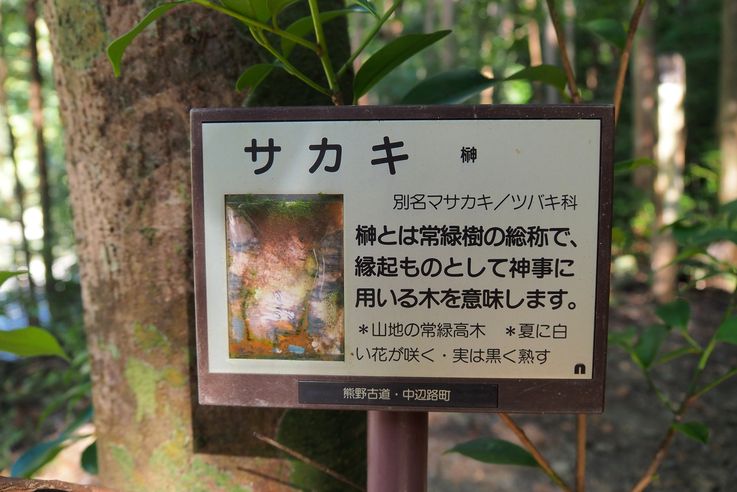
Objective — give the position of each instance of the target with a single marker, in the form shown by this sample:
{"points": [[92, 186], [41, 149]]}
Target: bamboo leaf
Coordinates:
{"points": [[389, 57], [727, 331], [675, 314], [30, 341], [695, 430], [116, 49], [495, 451], [608, 30], [451, 87], [253, 76]]}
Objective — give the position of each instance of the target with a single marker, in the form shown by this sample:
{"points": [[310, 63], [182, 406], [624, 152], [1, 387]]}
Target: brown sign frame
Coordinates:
{"points": [[511, 395]]}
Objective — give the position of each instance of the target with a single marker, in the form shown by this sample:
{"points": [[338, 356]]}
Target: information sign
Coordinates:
{"points": [[403, 257]]}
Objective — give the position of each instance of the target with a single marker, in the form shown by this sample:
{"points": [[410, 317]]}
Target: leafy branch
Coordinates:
{"points": [[261, 17]]}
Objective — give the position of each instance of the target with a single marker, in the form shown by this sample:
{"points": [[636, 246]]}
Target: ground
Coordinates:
{"points": [[622, 440]]}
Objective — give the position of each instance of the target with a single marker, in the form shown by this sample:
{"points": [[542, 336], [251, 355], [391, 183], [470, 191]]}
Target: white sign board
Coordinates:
{"points": [[462, 245]]}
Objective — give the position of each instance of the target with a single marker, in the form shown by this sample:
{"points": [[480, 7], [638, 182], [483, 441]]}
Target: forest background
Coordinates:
{"points": [[672, 240]]}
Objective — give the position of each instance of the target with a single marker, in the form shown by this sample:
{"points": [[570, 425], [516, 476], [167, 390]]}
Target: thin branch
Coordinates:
{"points": [[539, 458], [561, 36], [253, 23], [287, 65], [624, 58], [304, 459], [647, 476], [581, 423], [706, 388], [369, 37], [269, 477]]}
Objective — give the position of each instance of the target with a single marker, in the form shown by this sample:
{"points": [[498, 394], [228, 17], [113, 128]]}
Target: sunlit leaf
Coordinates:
{"points": [[608, 30], [89, 459], [547, 74], [695, 430], [253, 76], [648, 345], [369, 5], [675, 314], [30, 341], [116, 49], [727, 331], [495, 451], [391, 56], [304, 26], [451, 87], [6, 275]]}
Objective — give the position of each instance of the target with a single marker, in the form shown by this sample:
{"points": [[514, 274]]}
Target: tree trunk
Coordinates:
{"points": [[671, 159], [35, 102], [18, 188], [644, 97], [728, 113], [129, 177]]}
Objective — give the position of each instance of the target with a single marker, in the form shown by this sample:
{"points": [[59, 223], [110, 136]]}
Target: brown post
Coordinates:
{"points": [[397, 451]]}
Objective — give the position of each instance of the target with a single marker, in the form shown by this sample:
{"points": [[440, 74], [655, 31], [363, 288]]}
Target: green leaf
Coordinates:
{"points": [[6, 275], [608, 30], [727, 331], [389, 57], [623, 339], [695, 430], [36, 457], [370, 7], [116, 49], [451, 87], [623, 168], [648, 345], [254, 9], [30, 341], [547, 74], [730, 210], [253, 76], [495, 451], [89, 459], [276, 6], [42, 453], [675, 314], [304, 26]]}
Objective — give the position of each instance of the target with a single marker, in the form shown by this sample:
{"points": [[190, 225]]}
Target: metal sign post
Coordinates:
{"points": [[397, 451], [402, 259]]}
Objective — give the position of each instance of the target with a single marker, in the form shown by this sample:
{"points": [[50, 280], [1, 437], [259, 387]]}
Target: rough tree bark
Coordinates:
{"points": [[644, 99], [127, 146]]}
